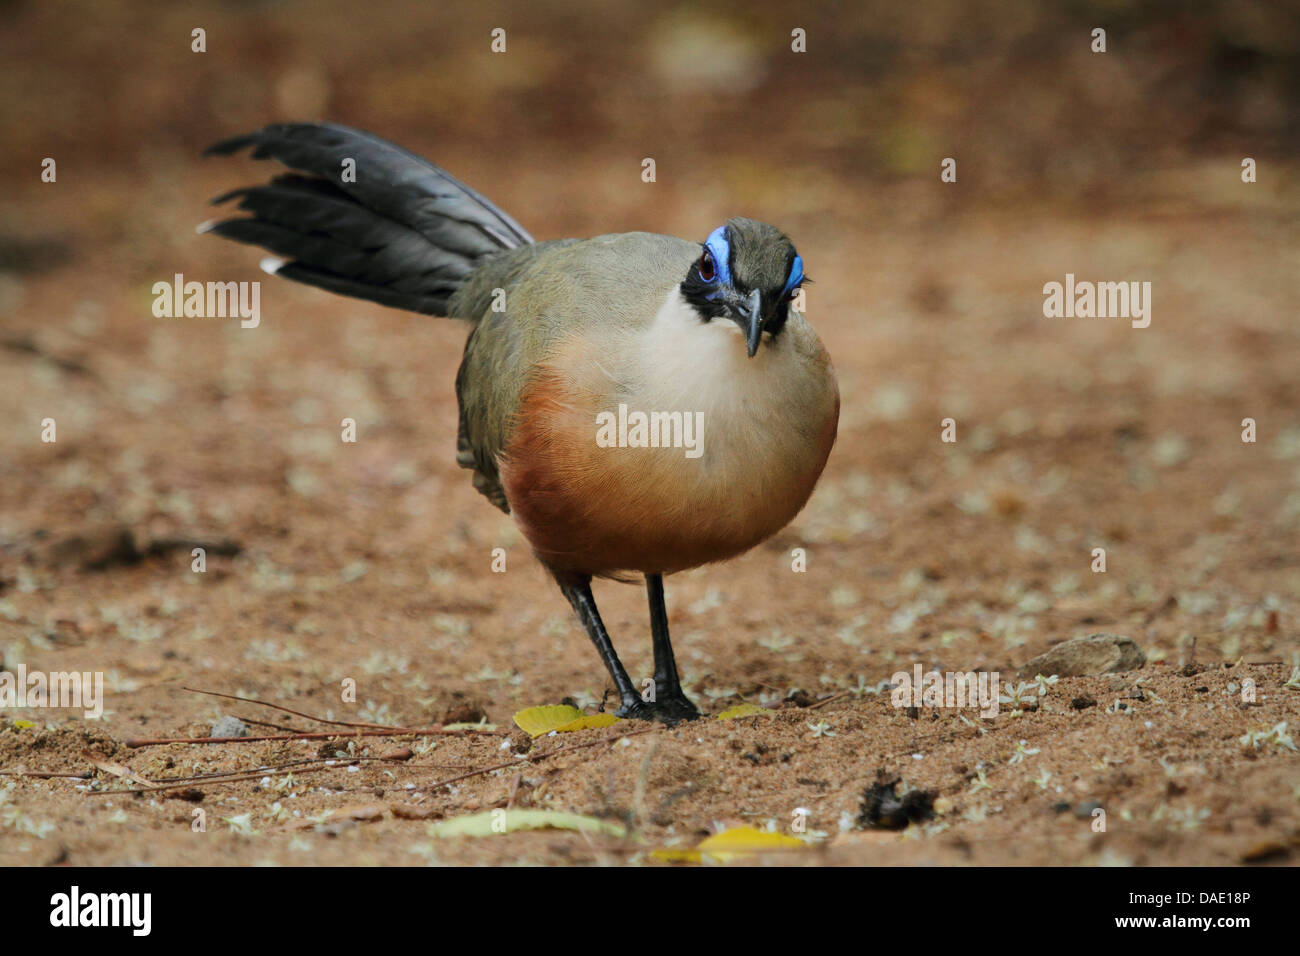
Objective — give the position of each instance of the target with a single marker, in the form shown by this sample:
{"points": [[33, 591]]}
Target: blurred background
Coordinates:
{"points": [[712, 92]]}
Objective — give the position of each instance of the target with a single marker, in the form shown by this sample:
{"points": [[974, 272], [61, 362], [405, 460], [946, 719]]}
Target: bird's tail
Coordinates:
{"points": [[362, 217]]}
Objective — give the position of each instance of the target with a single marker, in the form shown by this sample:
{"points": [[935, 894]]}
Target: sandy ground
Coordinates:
{"points": [[372, 562]]}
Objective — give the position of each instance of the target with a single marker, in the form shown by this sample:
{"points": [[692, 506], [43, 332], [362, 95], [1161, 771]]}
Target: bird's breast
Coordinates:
{"points": [[662, 447]]}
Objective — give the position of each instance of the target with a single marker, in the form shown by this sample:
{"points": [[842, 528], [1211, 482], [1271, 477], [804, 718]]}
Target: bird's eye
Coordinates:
{"points": [[707, 270]]}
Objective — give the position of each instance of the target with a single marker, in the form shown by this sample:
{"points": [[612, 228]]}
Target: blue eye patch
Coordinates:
{"points": [[720, 247], [796, 276]]}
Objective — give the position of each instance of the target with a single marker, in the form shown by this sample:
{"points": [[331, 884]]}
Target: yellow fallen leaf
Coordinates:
{"points": [[492, 822], [744, 710], [732, 845], [537, 721], [588, 721], [24, 724]]}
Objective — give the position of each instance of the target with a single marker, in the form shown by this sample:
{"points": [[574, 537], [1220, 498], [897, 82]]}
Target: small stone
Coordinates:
{"points": [[1085, 656], [1083, 702], [405, 811], [1084, 810], [92, 548], [229, 727]]}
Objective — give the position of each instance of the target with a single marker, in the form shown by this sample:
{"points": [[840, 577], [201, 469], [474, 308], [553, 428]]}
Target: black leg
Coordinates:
{"points": [[670, 705], [578, 591], [666, 681], [671, 702]]}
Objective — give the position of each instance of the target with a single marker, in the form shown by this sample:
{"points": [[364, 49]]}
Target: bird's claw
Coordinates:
{"points": [[666, 710]]}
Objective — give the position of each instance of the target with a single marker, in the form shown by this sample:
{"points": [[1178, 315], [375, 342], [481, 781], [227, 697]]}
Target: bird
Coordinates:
{"points": [[618, 330]]}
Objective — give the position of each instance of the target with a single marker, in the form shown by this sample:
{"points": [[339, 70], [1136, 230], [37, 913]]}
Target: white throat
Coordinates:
{"points": [[750, 405]]}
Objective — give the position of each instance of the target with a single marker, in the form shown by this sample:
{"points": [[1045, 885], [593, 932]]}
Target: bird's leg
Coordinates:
{"points": [[670, 703], [578, 591]]}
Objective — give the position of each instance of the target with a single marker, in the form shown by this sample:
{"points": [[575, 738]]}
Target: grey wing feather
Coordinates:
{"points": [[404, 233]]}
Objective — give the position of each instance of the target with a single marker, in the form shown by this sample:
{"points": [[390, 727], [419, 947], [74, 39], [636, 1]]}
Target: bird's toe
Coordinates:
{"points": [[666, 710]]}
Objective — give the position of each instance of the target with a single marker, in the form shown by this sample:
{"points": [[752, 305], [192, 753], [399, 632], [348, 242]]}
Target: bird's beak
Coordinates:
{"points": [[748, 314]]}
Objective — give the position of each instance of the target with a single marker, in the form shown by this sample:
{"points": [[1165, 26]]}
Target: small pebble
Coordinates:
{"points": [[1084, 810], [229, 727]]}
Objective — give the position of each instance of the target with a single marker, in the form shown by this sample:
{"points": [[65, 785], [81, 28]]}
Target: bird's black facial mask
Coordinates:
{"points": [[748, 272]]}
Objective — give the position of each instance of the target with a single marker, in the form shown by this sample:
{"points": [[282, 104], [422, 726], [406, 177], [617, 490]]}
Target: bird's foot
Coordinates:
{"points": [[666, 710]]}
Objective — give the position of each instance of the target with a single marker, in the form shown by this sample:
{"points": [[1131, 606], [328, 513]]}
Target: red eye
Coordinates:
{"points": [[707, 272]]}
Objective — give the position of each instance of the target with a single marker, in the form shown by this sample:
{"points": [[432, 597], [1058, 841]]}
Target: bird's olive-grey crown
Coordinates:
{"points": [[748, 272]]}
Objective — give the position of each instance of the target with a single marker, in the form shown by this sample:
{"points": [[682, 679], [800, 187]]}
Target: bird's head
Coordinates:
{"points": [[747, 272]]}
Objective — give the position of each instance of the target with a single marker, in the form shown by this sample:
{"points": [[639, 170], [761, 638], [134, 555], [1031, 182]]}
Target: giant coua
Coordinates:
{"points": [[565, 335]]}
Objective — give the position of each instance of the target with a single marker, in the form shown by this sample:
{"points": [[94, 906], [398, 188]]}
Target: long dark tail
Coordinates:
{"points": [[404, 233]]}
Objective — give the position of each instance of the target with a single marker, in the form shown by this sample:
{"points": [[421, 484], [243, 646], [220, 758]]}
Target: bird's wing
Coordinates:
{"points": [[550, 292]]}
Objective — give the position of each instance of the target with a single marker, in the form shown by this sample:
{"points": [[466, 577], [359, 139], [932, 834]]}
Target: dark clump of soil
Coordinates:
{"points": [[884, 808]]}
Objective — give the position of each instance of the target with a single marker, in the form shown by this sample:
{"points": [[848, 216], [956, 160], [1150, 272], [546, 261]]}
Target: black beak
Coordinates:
{"points": [[747, 313]]}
